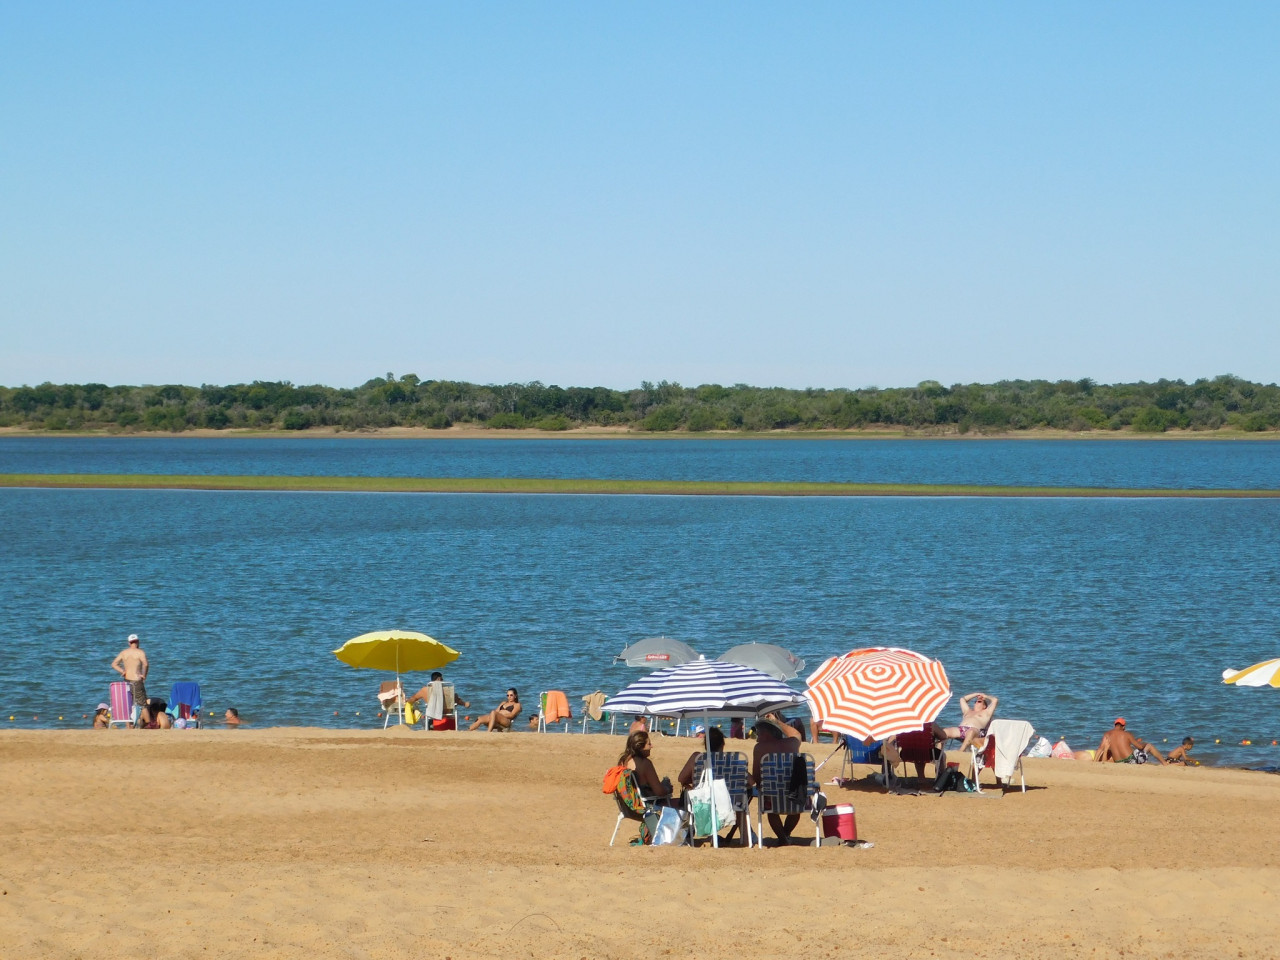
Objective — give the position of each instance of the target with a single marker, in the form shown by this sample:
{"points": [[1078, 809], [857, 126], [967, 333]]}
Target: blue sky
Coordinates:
{"points": [[600, 194]]}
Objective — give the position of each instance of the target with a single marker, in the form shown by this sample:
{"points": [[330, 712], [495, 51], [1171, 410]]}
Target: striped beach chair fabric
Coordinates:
{"points": [[121, 703], [774, 794], [734, 770]]}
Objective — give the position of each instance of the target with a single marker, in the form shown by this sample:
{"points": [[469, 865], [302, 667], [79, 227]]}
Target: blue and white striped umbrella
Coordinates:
{"points": [[705, 687]]}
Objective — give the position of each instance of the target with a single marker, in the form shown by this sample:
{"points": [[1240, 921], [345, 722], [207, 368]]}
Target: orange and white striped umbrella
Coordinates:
{"points": [[877, 692]]}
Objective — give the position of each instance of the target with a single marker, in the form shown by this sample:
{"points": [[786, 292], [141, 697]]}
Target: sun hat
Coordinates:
{"points": [[101, 706], [1119, 721]]}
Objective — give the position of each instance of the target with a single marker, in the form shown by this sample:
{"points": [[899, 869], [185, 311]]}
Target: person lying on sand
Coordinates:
{"points": [[501, 716], [1120, 746]]}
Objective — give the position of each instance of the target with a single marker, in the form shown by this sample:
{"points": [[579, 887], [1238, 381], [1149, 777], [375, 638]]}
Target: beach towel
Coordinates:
{"points": [[1012, 737], [555, 706], [593, 703], [433, 709]]}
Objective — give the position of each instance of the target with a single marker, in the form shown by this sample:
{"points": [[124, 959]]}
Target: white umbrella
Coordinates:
{"points": [[776, 661], [1265, 674], [705, 688]]}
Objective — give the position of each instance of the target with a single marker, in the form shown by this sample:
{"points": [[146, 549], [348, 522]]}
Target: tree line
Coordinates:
{"points": [[408, 401]]}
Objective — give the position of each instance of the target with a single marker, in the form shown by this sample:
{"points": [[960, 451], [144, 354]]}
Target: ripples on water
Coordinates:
{"points": [[1072, 611]]}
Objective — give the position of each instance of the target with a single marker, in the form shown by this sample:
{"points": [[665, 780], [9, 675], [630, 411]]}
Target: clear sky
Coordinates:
{"points": [[599, 193]]}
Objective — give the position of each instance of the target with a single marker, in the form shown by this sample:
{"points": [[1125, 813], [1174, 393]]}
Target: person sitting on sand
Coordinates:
{"points": [[635, 757], [638, 725], [1182, 754], [502, 716], [775, 735], [1120, 746], [976, 711], [102, 717], [154, 717]]}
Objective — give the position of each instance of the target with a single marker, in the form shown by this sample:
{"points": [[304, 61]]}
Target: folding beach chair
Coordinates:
{"points": [[448, 705], [391, 697], [553, 706], [775, 793], [855, 751], [1002, 754], [918, 747], [185, 702], [734, 770], [632, 806], [121, 700]]}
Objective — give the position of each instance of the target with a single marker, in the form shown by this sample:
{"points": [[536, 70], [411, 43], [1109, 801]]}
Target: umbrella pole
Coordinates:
{"points": [[706, 745]]}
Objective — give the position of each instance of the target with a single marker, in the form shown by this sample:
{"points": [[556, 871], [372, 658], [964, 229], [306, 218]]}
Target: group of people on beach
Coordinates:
{"points": [[152, 712]]}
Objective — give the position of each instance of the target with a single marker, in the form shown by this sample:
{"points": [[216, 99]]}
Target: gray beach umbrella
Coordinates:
{"points": [[654, 653], [776, 661]]}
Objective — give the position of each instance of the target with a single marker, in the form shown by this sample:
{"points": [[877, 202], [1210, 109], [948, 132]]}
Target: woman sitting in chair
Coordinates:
{"points": [[636, 758], [503, 715], [716, 741]]}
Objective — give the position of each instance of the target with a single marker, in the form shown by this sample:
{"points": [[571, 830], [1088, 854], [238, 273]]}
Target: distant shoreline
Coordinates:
{"points": [[627, 433], [585, 486]]}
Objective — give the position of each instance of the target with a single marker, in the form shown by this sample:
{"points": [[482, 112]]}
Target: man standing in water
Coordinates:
{"points": [[131, 663]]}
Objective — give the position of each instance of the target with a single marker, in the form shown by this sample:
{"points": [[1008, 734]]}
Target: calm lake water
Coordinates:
{"points": [[1071, 611]]}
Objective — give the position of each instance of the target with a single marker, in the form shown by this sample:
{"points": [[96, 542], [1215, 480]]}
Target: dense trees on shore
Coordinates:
{"points": [[391, 401]]}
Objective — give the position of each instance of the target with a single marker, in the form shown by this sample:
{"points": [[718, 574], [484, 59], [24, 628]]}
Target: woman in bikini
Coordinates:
{"points": [[503, 715]]}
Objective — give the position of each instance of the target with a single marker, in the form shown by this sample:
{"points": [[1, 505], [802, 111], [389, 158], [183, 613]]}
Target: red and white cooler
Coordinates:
{"points": [[838, 821]]}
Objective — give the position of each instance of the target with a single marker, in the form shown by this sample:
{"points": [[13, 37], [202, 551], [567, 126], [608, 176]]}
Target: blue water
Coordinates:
{"points": [[1071, 611], [1212, 464]]}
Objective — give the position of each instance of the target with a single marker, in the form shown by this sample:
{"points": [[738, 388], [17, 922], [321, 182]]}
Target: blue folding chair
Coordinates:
{"points": [[186, 694]]}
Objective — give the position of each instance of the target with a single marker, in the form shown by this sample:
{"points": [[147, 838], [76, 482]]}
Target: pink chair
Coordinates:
{"points": [[121, 704]]}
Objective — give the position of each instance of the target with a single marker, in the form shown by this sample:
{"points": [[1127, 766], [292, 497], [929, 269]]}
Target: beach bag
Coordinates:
{"points": [[669, 828], [1062, 752], [411, 715], [709, 794], [1041, 748], [953, 779]]}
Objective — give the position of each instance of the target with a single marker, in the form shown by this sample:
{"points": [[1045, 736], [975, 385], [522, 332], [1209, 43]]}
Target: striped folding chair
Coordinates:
{"points": [[734, 770], [775, 796], [121, 704]]}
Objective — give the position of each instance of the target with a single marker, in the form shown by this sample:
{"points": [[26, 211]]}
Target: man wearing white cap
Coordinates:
{"points": [[131, 663]]}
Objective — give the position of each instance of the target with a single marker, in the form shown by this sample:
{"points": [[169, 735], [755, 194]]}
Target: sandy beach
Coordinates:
{"points": [[310, 843]]}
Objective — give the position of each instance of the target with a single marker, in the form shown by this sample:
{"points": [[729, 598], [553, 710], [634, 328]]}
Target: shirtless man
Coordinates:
{"points": [[436, 714], [775, 735], [976, 711], [1120, 746], [131, 663]]}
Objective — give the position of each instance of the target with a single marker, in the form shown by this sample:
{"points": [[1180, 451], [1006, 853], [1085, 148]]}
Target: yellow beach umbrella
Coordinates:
{"points": [[1265, 674], [396, 650]]}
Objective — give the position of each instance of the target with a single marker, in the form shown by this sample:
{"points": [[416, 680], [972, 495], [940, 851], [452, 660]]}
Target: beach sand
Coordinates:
{"points": [[283, 843]]}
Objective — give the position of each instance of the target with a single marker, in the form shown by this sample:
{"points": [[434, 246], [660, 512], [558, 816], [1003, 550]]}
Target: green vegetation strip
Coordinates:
{"points": [[708, 488]]}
